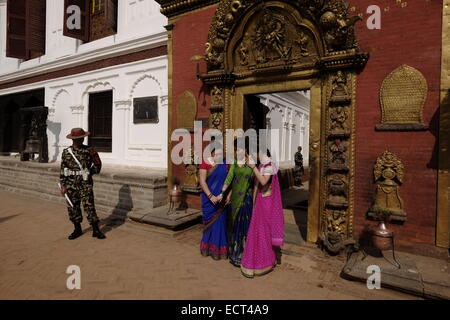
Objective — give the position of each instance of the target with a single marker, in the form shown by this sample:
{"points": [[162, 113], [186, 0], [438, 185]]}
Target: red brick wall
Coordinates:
{"points": [[409, 35], [189, 35]]}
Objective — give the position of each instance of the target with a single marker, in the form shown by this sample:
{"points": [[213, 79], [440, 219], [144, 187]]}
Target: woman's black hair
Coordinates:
{"points": [[265, 151], [246, 146]]}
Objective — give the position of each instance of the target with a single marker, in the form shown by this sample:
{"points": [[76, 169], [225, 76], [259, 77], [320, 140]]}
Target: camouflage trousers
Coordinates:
{"points": [[82, 194], [298, 172]]}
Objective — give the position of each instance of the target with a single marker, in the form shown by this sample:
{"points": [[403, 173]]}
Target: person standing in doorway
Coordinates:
{"points": [[78, 163], [298, 170]]}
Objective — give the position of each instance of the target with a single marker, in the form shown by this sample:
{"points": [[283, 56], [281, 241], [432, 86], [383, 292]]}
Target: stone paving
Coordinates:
{"points": [[144, 262]]}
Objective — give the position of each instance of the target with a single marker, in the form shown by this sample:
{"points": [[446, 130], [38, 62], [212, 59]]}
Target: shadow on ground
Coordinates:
{"points": [[119, 215]]}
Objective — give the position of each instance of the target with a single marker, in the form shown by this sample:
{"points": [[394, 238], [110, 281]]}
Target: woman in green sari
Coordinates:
{"points": [[240, 178]]}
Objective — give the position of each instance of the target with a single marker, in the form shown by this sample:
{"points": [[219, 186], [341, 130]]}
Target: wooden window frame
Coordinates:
{"points": [[33, 38]]}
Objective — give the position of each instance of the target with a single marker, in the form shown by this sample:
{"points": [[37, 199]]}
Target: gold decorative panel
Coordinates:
{"points": [[217, 107], [269, 37], [186, 110], [402, 97]]}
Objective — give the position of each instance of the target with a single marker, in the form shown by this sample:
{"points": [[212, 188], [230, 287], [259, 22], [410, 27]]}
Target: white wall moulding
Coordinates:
{"points": [[123, 104], [77, 109]]}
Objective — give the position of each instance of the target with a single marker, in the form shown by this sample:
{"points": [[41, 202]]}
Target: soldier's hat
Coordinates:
{"points": [[77, 133]]}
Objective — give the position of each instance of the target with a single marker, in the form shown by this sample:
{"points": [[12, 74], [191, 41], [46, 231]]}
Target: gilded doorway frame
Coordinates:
{"points": [[284, 45], [235, 114]]}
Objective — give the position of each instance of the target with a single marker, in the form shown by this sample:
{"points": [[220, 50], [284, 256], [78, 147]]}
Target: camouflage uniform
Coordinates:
{"points": [[78, 190], [298, 170]]}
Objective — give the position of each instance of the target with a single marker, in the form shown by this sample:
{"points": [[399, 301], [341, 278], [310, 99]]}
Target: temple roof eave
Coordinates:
{"points": [[172, 8]]}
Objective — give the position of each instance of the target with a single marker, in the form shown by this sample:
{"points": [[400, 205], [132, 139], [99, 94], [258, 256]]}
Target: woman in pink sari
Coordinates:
{"points": [[266, 231]]}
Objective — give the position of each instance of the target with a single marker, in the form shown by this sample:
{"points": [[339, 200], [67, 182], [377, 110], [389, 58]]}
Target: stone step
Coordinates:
{"points": [[117, 189], [166, 218]]}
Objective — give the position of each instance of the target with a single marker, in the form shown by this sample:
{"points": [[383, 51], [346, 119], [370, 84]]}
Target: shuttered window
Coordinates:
{"points": [[71, 27], [98, 19], [26, 29]]}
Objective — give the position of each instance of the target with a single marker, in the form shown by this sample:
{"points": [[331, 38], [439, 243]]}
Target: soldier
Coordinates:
{"points": [[78, 163], [298, 170]]}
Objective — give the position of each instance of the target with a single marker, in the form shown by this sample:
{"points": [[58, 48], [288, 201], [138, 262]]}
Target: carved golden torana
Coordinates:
{"points": [[389, 175], [402, 97], [257, 47]]}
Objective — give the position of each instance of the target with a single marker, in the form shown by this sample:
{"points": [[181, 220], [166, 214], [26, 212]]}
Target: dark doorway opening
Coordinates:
{"points": [[287, 112], [100, 120], [11, 135]]}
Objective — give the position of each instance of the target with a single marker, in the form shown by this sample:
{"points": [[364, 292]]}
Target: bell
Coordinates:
{"points": [[32, 146]]}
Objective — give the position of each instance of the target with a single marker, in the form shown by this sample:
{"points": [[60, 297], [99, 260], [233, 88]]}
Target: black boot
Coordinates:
{"points": [[77, 232], [96, 233]]}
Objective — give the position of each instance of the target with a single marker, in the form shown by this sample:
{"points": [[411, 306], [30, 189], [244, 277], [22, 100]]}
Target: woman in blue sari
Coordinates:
{"points": [[212, 176]]}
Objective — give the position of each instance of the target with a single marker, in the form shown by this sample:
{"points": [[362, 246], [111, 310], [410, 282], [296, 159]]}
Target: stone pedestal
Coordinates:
{"points": [[176, 220], [406, 278]]}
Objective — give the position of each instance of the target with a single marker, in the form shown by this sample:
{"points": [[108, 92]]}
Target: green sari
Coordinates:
{"points": [[241, 181]]}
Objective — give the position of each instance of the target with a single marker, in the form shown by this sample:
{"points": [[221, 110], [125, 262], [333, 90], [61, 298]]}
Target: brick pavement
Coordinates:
{"points": [[144, 262]]}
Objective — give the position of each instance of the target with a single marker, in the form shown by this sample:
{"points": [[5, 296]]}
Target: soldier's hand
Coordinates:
{"points": [[63, 190]]}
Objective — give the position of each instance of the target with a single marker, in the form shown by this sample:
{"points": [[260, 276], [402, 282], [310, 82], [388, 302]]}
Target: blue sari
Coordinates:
{"points": [[214, 240]]}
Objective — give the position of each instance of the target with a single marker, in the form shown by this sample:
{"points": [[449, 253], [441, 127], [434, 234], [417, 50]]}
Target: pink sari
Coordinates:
{"points": [[266, 231]]}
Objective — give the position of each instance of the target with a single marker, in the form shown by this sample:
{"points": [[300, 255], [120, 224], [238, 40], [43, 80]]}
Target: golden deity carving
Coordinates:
{"points": [[389, 175], [339, 93]]}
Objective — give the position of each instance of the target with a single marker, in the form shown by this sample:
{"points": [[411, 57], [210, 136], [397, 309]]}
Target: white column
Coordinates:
{"points": [[289, 130], [164, 118], [121, 125], [122, 13], [306, 141], [283, 135]]}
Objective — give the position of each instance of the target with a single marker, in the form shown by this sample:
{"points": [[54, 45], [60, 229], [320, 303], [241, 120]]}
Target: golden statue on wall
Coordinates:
{"points": [[389, 175]]}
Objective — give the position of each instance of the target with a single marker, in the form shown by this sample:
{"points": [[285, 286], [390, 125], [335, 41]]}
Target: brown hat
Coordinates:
{"points": [[77, 133]]}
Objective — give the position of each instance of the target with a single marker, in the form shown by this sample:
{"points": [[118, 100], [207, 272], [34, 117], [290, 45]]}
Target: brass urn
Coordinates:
{"points": [[382, 238], [176, 193], [175, 196]]}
